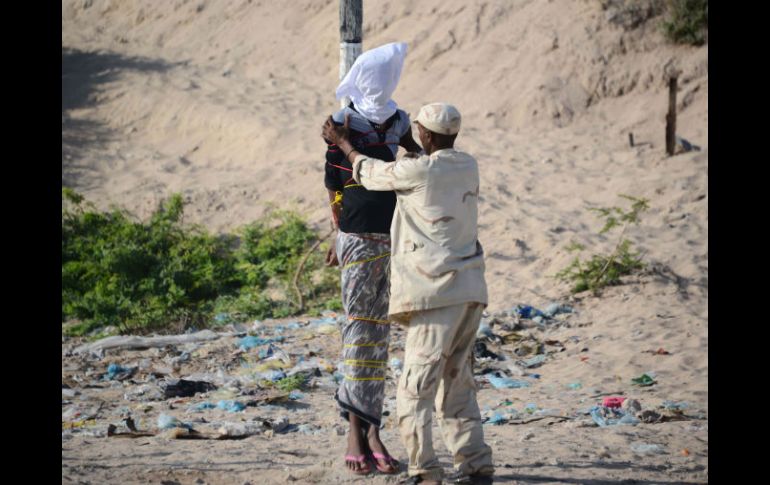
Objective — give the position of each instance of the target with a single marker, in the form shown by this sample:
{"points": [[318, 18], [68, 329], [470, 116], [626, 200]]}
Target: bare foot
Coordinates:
{"points": [[385, 465], [357, 447]]}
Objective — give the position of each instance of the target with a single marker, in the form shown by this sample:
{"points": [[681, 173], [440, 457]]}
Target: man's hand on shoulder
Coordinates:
{"points": [[334, 133]]}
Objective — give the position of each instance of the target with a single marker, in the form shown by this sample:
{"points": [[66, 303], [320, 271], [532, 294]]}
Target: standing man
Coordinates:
{"points": [[362, 247], [437, 288]]}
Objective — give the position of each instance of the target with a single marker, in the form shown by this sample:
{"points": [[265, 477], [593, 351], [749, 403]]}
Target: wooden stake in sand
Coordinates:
{"points": [[351, 20], [671, 116]]}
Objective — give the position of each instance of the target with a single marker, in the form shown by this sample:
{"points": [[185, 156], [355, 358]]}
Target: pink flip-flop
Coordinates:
{"points": [[389, 460], [359, 459]]}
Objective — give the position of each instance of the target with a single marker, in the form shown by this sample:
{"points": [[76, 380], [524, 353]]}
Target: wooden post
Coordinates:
{"points": [[351, 22], [671, 116], [631, 139]]}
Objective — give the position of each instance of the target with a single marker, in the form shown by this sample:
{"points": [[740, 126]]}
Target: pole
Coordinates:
{"points": [[671, 117], [351, 21]]}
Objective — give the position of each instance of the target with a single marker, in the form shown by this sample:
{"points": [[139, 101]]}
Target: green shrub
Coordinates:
{"points": [[150, 275], [606, 269], [687, 21]]}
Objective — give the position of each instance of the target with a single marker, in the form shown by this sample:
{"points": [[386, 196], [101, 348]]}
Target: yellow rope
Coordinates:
{"points": [[384, 255], [337, 198], [377, 344], [372, 320]]}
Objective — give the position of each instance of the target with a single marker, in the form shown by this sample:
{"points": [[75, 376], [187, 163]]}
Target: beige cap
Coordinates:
{"points": [[440, 118]]}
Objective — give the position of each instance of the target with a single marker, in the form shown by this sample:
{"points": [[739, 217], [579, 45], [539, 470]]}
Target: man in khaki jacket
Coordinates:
{"points": [[437, 288]]}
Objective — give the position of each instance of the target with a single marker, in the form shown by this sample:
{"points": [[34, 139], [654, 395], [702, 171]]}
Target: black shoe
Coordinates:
{"points": [[461, 478]]}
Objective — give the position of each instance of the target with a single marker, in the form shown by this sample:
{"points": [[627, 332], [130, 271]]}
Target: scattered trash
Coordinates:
{"points": [[497, 419], [610, 417], [135, 342], [647, 449], [250, 341], [535, 361], [631, 406], [675, 405], [644, 380], [512, 347], [506, 382], [555, 308], [311, 365], [117, 372], [231, 406], [613, 402], [272, 375], [240, 430], [515, 370], [78, 424], [649, 416], [480, 351], [201, 407], [277, 425], [81, 412], [527, 311], [308, 429], [530, 408], [324, 326], [166, 421], [69, 393], [144, 392], [484, 331], [184, 388], [265, 353]]}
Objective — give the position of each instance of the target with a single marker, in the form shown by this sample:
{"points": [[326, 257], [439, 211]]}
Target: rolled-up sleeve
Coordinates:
{"points": [[374, 174]]}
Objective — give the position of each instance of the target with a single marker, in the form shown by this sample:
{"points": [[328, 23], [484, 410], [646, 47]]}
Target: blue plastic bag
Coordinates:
{"points": [[230, 405], [506, 382]]}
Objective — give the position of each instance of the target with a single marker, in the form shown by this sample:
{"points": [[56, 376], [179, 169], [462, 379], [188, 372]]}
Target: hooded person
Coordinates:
{"points": [[361, 247]]}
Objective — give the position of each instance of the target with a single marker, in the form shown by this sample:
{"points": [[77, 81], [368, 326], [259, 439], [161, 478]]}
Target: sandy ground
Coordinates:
{"points": [[223, 102]]}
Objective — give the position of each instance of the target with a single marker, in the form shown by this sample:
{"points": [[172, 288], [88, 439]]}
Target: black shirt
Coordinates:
{"points": [[364, 210]]}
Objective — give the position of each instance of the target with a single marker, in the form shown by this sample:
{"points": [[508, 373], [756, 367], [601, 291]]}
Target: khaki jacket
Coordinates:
{"points": [[436, 258]]}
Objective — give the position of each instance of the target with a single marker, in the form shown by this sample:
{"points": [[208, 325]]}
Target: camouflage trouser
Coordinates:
{"points": [[438, 370], [364, 261]]}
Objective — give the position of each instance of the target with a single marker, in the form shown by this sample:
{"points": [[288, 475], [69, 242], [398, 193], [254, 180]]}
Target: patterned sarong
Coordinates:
{"points": [[364, 262]]}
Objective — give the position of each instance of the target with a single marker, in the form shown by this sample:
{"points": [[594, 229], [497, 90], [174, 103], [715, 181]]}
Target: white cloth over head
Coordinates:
{"points": [[372, 80]]}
